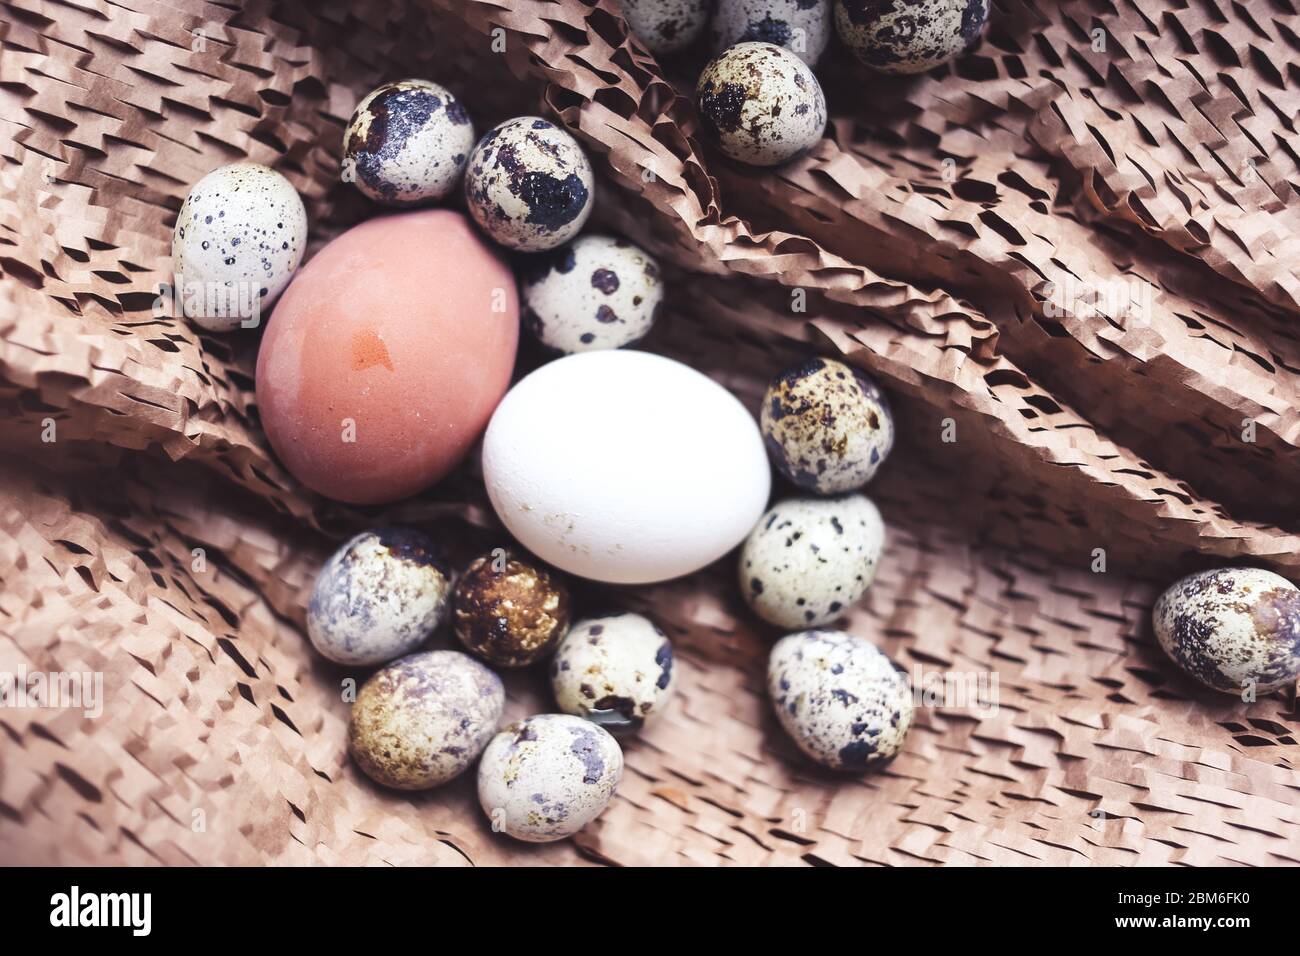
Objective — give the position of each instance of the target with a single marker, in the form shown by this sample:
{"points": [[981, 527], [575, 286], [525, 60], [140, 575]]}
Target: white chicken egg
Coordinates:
{"points": [[239, 237], [624, 466]]}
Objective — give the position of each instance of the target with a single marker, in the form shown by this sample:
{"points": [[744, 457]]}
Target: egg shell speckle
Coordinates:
{"points": [[529, 185], [809, 559], [598, 292], [615, 670], [894, 36], [666, 26], [408, 142], [827, 426], [508, 611], [841, 698], [801, 26], [423, 719], [378, 597], [239, 237], [1233, 629], [761, 104], [545, 778]]}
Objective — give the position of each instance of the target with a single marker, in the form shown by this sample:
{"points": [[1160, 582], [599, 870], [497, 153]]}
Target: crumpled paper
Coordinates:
{"points": [[1071, 258]]}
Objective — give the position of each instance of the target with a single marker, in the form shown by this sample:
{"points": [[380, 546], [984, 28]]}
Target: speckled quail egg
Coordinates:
{"points": [[841, 698], [615, 670], [1235, 629], [529, 185], [509, 611], [827, 426], [379, 596], [801, 26], [666, 26], [547, 777], [909, 36], [598, 292], [761, 104], [423, 719], [407, 143], [808, 559], [239, 237]]}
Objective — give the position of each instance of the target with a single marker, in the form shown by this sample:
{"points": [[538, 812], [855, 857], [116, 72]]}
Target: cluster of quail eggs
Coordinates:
{"points": [[528, 184], [425, 716], [758, 98], [828, 428]]}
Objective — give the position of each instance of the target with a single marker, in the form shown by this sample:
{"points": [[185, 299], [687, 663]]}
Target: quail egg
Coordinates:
{"points": [[809, 559], [598, 292], [801, 26], [666, 26], [909, 36], [841, 698], [407, 143], [379, 596], [423, 719], [239, 237], [827, 426], [508, 611], [1234, 629], [615, 670], [529, 185], [761, 104], [547, 777]]}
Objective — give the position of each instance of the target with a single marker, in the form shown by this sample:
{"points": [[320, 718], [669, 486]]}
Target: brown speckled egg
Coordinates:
{"points": [[508, 611], [1235, 629], [827, 426], [615, 670], [379, 596], [909, 36], [547, 777], [666, 26], [598, 292], [529, 185], [841, 698], [761, 104], [423, 719], [407, 143]]}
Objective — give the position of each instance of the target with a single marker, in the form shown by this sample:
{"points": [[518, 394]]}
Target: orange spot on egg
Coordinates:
{"points": [[369, 350]]}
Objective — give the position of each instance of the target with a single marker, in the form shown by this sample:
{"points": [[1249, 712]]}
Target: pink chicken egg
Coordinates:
{"points": [[386, 355]]}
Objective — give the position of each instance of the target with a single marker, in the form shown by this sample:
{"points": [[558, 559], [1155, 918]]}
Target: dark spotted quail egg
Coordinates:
{"points": [[809, 559], [827, 426], [801, 26], [407, 143], [666, 26], [378, 597], [509, 611], [909, 36], [424, 719], [616, 671], [239, 237], [596, 293], [547, 777], [529, 185], [761, 104], [1236, 629], [841, 698]]}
